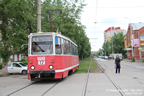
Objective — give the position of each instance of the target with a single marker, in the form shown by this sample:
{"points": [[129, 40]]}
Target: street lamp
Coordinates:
{"points": [[112, 47]]}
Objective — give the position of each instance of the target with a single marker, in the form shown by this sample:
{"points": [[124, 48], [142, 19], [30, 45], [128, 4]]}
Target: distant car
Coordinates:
{"points": [[17, 67], [106, 57], [110, 57]]}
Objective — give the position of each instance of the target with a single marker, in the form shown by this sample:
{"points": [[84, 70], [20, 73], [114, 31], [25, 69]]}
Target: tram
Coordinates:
{"points": [[51, 56]]}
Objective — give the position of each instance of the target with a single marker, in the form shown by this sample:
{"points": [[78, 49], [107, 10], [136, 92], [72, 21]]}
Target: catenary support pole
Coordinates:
{"points": [[39, 16], [139, 44]]}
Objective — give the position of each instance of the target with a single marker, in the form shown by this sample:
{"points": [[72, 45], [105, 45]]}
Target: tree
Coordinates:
{"points": [[19, 19], [118, 43], [107, 48], [68, 22], [14, 16], [98, 53]]}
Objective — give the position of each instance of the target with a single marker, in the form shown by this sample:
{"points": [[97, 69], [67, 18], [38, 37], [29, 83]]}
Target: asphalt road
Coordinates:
{"points": [[130, 80]]}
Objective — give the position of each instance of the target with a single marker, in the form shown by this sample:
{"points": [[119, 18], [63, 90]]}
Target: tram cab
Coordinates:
{"points": [[51, 56]]}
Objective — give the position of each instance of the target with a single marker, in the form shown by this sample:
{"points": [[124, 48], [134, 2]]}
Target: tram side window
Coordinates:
{"points": [[68, 47], [64, 47], [76, 50], [62, 44], [58, 45], [71, 48]]}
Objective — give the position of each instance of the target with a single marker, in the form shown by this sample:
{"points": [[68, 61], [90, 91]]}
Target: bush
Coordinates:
{"points": [[143, 60], [133, 60], [25, 62], [0, 65], [123, 57]]}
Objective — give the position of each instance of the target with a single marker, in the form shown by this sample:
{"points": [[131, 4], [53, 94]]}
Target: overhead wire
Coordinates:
{"points": [[117, 7]]}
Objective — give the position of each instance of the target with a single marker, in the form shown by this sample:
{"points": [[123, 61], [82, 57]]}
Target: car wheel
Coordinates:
{"points": [[24, 72]]}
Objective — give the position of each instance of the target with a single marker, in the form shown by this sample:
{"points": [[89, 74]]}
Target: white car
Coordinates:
{"points": [[106, 57], [17, 67]]}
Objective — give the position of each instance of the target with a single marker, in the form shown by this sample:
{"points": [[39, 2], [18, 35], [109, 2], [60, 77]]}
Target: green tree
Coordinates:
{"points": [[19, 19], [118, 43], [107, 48], [99, 52], [15, 15], [68, 22]]}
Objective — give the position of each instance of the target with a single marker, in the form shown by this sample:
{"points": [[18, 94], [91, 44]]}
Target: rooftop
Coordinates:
{"points": [[137, 26]]}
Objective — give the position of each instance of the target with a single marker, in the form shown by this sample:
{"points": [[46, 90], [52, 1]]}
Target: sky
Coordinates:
{"points": [[109, 13]]}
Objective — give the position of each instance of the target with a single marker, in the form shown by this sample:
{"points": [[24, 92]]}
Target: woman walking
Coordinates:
{"points": [[117, 64]]}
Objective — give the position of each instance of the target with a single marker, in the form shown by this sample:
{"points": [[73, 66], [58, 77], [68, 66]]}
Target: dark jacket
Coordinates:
{"points": [[117, 62]]}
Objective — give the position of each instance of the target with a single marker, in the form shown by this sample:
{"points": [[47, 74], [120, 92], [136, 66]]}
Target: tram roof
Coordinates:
{"points": [[51, 33]]}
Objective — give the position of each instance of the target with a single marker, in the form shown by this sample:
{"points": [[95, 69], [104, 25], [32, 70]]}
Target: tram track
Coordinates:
{"points": [[50, 88], [87, 77], [20, 89], [116, 86], [43, 94]]}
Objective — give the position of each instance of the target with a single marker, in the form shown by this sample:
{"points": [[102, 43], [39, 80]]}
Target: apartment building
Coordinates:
{"points": [[111, 31]]}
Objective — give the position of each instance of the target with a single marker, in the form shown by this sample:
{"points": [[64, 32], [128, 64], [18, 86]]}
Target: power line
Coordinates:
{"points": [[117, 7]]}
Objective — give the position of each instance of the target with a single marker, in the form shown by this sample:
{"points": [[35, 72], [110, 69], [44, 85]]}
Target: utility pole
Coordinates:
{"points": [[39, 16], [112, 47], [139, 44], [131, 39]]}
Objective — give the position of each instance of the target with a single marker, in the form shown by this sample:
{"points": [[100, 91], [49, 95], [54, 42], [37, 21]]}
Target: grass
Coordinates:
{"points": [[4, 75], [0, 65], [93, 65], [84, 65]]}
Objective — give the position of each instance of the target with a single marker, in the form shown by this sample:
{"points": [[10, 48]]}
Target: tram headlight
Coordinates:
{"points": [[51, 67], [32, 67]]}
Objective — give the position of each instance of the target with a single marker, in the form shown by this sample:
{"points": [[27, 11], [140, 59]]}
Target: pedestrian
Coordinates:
{"points": [[117, 64]]}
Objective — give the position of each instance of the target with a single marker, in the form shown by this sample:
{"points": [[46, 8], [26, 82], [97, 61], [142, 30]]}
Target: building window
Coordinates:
{"points": [[142, 48], [142, 38]]}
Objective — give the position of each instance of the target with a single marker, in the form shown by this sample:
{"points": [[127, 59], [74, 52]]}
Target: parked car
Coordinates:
{"points": [[17, 67], [106, 57]]}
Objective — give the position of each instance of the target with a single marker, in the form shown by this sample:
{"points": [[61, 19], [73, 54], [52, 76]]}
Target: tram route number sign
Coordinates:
{"points": [[41, 62]]}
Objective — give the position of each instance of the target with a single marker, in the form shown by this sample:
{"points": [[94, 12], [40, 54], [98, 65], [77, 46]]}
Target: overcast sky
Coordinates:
{"points": [[109, 13]]}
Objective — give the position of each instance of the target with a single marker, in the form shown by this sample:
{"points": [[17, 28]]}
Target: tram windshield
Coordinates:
{"points": [[42, 45]]}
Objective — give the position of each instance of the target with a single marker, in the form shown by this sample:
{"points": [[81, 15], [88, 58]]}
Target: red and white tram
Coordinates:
{"points": [[51, 55]]}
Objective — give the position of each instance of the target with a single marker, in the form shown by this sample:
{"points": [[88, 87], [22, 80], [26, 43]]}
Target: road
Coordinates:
{"points": [[130, 80]]}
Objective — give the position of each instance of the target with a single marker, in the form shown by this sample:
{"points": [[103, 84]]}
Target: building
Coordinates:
{"points": [[110, 32], [134, 40]]}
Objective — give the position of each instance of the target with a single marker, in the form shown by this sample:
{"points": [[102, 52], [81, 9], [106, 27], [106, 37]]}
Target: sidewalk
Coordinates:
{"points": [[136, 62]]}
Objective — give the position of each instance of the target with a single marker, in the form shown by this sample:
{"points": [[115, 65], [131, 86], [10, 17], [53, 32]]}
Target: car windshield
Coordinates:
{"points": [[42, 45], [24, 65], [9, 64]]}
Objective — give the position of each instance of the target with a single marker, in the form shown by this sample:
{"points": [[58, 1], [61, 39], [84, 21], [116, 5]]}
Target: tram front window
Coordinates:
{"points": [[42, 45]]}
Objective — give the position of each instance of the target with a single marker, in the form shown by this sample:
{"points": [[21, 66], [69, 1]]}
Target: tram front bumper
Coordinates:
{"points": [[42, 72]]}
